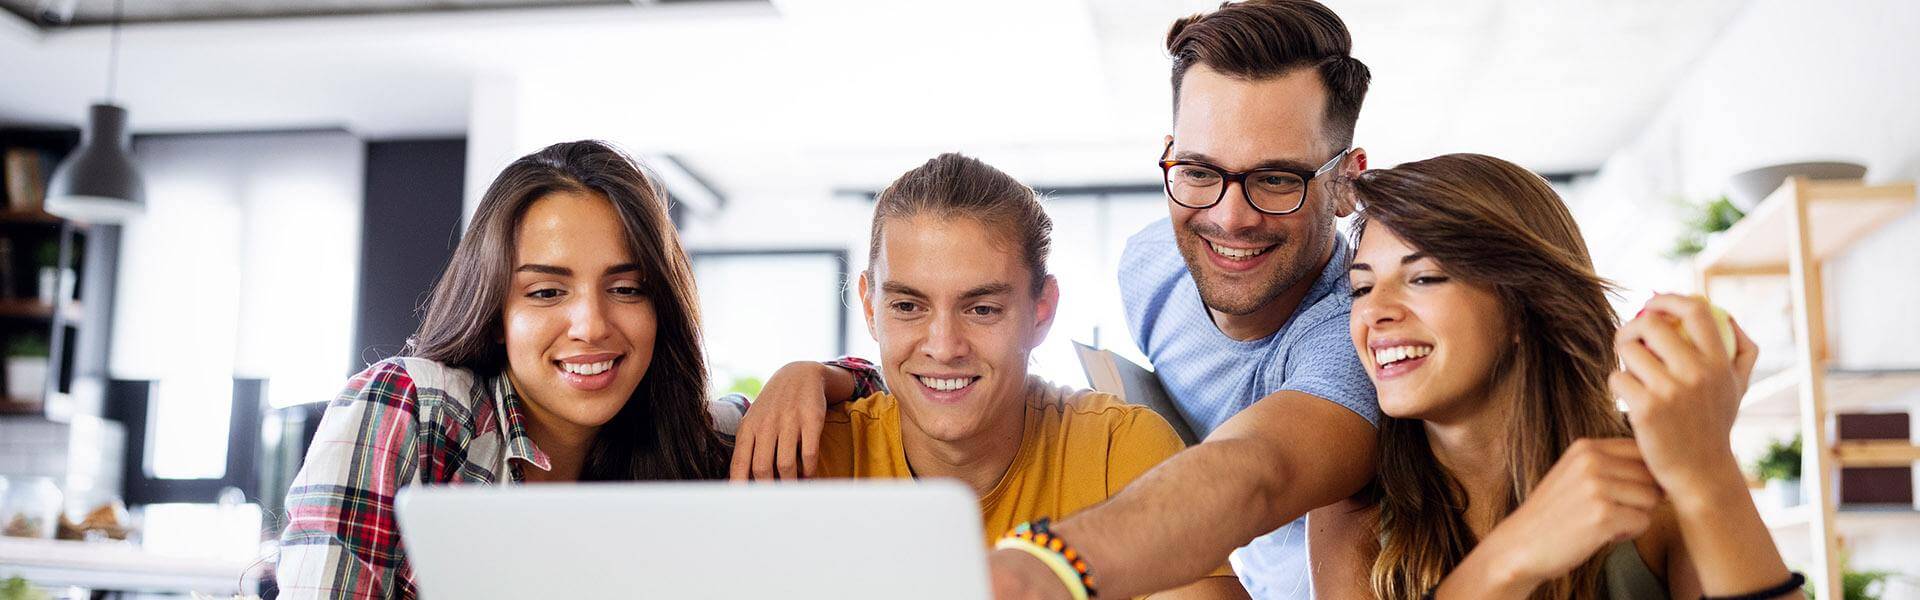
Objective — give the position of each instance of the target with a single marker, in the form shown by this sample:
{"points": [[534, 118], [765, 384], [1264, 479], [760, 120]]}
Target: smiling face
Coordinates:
{"points": [[578, 327], [1432, 343], [956, 319], [1242, 259]]}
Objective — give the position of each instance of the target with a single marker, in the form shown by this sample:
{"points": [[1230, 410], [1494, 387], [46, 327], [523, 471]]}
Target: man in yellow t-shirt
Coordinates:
{"points": [[1076, 448], [957, 295]]}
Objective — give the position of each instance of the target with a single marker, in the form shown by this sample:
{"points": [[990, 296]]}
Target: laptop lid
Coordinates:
{"points": [[841, 539]]}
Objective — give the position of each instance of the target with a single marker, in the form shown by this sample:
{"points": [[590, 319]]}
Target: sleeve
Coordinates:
{"points": [[1139, 443], [866, 377], [727, 411], [1323, 364], [341, 540]]}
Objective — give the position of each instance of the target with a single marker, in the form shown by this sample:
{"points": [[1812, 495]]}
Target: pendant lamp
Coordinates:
{"points": [[98, 182]]}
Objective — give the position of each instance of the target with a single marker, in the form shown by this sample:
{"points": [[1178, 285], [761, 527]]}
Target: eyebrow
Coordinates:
{"points": [[1403, 260], [566, 272], [1271, 163], [990, 289]]}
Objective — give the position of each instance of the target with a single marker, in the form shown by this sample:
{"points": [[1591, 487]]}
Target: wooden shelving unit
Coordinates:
{"points": [[35, 241], [1792, 233]]}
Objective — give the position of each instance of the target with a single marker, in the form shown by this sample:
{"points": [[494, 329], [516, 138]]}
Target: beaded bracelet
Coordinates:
{"points": [[1792, 584], [1037, 538]]}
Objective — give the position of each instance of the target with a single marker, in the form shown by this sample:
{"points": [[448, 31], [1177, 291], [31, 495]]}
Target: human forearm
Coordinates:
{"points": [[1731, 549], [1209, 588], [1188, 502], [1484, 575]]}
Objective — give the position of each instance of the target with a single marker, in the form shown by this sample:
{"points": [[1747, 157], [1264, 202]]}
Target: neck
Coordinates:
{"points": [[1267, 319], [980, 461], [1473, 448], [564, 444]]}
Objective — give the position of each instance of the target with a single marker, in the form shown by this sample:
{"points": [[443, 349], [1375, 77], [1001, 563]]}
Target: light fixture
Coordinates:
{"points": [[98, 183]]}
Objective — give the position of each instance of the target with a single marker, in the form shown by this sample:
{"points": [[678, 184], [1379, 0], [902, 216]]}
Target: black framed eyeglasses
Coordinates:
{"points": [[1274, 191]]}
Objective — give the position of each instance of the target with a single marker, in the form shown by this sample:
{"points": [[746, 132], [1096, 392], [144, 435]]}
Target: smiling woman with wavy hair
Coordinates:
{"points": [[561, 344], [1506, 469]]}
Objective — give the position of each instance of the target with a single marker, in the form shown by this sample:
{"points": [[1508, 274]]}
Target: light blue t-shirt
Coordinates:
{"points": [[1212, 377]]}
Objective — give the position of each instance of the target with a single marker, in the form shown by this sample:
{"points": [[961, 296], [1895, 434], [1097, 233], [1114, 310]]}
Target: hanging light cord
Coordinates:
{"points": [[113, 51]]}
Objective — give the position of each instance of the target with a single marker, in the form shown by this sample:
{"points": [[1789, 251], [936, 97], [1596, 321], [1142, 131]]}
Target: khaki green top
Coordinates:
{"points": [[1628, 577]]}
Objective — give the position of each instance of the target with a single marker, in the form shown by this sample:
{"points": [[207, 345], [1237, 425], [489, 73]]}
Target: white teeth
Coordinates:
{"points": [[946, 385], [1238, 253], [588, 369], [1386, 356]]}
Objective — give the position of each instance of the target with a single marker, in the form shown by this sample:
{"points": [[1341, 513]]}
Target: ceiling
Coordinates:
{"points": [[841, 94], [62, 13]]}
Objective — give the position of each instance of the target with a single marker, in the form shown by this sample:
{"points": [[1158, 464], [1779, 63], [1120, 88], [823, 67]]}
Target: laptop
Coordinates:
{"points": [[840, 539]]}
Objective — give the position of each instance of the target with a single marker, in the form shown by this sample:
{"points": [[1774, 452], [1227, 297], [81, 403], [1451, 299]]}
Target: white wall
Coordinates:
{"points": [[1787, 81]]}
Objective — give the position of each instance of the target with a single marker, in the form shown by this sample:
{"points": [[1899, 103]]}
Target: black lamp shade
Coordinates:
{"points": [[98, 183]]}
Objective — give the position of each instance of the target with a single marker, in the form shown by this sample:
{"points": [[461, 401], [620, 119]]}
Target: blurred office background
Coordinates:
{"points": [[308, 165]]}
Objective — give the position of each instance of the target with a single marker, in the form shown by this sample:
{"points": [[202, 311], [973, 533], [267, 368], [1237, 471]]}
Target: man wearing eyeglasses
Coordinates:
{"points": [[1240, 301]]}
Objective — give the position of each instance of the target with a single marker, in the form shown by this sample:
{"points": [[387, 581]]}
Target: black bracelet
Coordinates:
{"points": [[1794, 581]]}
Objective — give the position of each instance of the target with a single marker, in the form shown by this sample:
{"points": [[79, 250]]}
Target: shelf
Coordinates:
{"points": [[1876, 453], [120, 567], [16, 217], [1778, 395], [1839, 212], [1857, 520], [28, 308]]}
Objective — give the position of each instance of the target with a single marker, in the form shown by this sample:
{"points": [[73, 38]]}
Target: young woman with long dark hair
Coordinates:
{"points": [[561, 344], [1506, 470]]}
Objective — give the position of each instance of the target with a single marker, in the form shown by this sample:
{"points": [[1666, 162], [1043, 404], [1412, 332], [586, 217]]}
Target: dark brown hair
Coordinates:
{"points": [[664, 430], [1258, 39], [951, 185], [1493, 224]]}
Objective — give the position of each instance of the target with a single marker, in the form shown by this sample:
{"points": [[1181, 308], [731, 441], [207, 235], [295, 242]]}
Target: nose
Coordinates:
{"points": [[587, 321], [1381, 306], [1233, 213], [945, 342]]}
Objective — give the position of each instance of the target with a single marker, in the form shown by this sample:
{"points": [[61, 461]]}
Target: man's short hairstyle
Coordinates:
{"points": [[1258, 39], [954, 186]]}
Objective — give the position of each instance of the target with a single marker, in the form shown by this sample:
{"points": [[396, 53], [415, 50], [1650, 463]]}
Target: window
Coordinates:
{"points": [[760, 309], [243, 268]]}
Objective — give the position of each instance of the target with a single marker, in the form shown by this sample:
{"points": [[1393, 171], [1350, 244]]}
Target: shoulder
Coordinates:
{"points": [[1127, 427], [412, 391], [1321, 361], [874, 409]]}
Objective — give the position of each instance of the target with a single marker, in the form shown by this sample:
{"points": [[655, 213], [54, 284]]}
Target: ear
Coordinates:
{"points": [[866, 302], [1344, 201], [1044, 309]]}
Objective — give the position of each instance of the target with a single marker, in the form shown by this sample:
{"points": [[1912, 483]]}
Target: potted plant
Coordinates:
{"points": [[56, 281], [1859, 585], [1709, 218], [1779, 467], [26, 368]]}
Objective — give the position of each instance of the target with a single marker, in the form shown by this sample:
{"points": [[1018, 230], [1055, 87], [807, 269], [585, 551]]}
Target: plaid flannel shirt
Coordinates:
{"points": [[400, 422]]}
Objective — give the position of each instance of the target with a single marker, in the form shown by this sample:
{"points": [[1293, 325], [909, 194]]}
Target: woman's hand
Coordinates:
{"points": [[1599, 493], [779, 438], [1682, 391]]}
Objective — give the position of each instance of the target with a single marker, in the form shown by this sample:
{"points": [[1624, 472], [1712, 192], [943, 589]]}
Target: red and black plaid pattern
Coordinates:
{"points": [[866, 377], [400, 422]]}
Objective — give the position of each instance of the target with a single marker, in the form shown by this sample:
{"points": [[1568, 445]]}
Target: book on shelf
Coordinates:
{"points": [[26, 176], [1114, 374]]}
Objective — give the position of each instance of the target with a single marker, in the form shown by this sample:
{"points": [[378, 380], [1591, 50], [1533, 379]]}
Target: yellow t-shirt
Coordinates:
{"points": [[1078, 448]]}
